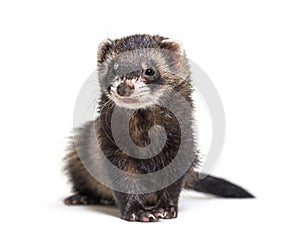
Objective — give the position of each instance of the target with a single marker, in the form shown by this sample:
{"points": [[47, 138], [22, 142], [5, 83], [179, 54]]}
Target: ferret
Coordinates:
{"points": [[139, 76]]}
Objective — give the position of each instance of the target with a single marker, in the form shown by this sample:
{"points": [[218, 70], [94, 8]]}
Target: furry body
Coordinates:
{"points": [[140, 83]]}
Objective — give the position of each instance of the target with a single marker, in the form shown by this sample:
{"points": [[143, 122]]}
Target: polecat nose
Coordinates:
{"points": [[125, 90]]}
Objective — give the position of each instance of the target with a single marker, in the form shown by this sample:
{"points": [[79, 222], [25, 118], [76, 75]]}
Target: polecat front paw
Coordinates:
{"points": [[165, 212], [141, 216]]}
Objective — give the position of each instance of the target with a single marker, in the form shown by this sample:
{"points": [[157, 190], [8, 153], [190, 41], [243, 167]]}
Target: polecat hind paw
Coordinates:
{"points": [[79, 199]]}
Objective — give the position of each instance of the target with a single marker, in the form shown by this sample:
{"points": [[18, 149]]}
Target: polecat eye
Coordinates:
{"points": [[149, 72]]}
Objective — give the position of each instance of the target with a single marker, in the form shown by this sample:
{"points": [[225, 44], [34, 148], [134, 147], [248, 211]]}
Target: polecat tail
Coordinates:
{"points": [[218, 187]]}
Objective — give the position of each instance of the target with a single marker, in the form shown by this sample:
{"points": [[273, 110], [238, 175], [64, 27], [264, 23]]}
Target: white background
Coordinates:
{"points": [[251, 51]]}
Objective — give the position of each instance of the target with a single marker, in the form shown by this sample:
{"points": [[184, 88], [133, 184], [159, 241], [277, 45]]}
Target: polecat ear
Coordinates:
{"points": [[172, 45], [176, 53], [103, 49]]}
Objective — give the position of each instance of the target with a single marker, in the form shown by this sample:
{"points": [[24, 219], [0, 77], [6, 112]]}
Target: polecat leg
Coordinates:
{"points": [[79, 199], [132, 209], [167, 205]]}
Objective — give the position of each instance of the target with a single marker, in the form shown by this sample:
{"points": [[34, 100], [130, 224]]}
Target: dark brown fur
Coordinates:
{"points": [[132, 206]]}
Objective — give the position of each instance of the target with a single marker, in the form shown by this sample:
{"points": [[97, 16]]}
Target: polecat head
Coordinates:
{"points": [[138, 71]]}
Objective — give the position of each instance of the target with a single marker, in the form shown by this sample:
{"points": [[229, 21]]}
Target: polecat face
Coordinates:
{"points": [[136, 83], [137, 72]]}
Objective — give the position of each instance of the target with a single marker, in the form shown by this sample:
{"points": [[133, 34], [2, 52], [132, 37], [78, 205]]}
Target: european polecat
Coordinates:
{"points": [[140, 76]]}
